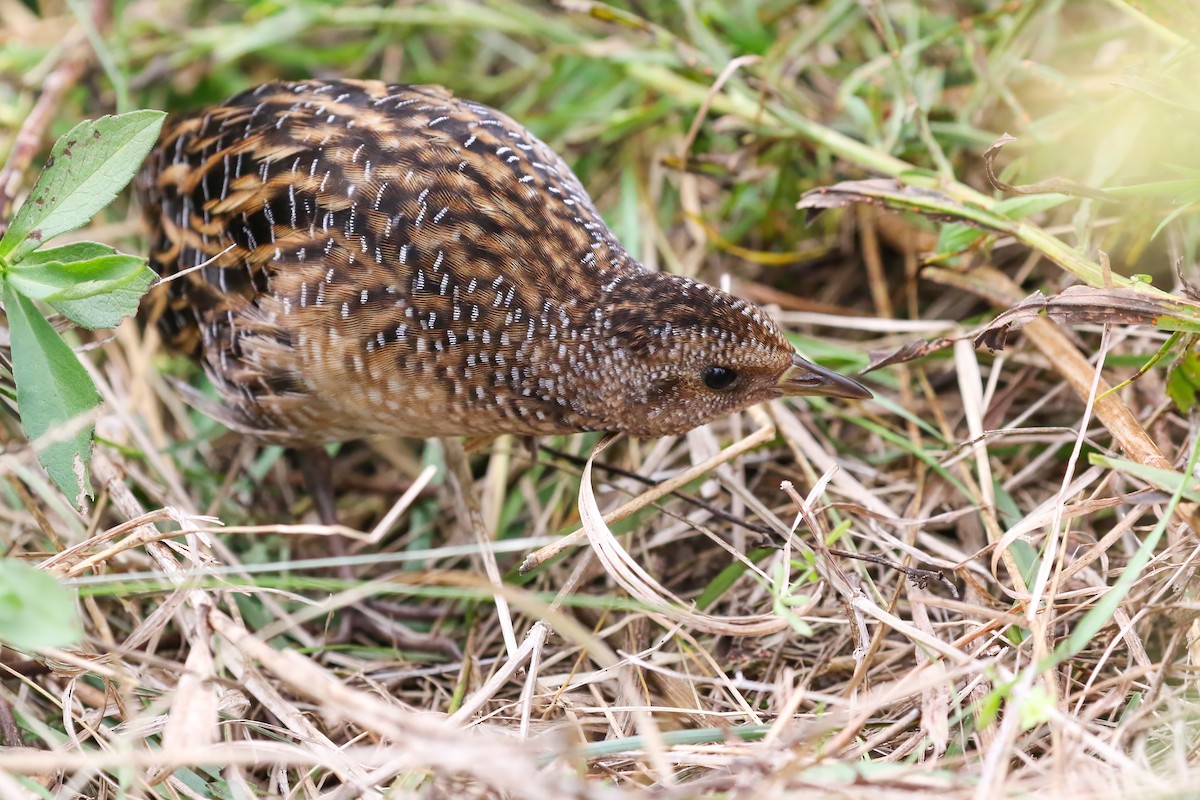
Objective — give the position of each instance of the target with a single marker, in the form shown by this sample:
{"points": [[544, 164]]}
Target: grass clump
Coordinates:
{"points": [[979, 584]]}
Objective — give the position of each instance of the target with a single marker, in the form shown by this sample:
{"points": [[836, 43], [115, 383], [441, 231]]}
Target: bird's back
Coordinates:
{"points": [[351, 258]]}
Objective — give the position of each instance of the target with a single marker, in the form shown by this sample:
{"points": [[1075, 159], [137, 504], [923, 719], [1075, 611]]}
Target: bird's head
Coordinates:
{"points": [[688, 354]]}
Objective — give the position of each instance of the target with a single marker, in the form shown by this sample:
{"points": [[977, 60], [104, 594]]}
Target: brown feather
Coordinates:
{"points": [[391, 259]]}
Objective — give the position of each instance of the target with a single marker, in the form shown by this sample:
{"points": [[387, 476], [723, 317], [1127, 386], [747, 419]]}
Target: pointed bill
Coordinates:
{"points": [[806, 378]]}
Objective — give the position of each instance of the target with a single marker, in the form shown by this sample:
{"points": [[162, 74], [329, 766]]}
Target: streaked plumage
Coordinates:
{"points": [[391, 259]]}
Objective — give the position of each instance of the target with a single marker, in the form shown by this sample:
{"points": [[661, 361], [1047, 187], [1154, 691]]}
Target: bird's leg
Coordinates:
{"points": [[317, 467]]}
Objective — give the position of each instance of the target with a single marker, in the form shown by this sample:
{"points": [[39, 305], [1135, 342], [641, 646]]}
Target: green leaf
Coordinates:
{"points": [[989, 706], [728, 576], [55, 280], [1168, 480], [108, 309], [52, 390], [891, 194], [1036, 708], [35, 609], [68, 253], [956, 237], [105, 286], [87, 167], [1024, 205], [1183, 382]]}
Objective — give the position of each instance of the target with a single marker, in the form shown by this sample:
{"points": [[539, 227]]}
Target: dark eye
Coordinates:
{"points": [[718, 378]]}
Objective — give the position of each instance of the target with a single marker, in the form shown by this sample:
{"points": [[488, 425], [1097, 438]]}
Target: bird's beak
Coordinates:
{"points": [[805, 377]]}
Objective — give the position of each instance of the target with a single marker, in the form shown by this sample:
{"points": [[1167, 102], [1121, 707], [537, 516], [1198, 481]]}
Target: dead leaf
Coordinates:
{"points": [[1078, 304], [1047, 186], [908, 352], [896, 196]]}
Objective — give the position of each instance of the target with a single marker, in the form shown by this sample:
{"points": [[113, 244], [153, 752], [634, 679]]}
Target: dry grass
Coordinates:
{"points": [[713, 636]]}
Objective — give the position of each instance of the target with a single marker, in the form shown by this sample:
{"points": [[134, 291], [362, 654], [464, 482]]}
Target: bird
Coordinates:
{"points": [[355, 258]]}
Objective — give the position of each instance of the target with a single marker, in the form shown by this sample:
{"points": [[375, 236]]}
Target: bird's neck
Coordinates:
{"points": [[594, 346]]}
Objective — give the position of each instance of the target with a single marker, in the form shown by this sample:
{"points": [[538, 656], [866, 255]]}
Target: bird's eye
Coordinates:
{"points": [[718, 378]]}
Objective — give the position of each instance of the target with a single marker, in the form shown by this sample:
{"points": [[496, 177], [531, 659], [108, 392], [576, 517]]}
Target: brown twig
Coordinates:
{"points": [[1058, 185], [920, 577], [10, 734]]}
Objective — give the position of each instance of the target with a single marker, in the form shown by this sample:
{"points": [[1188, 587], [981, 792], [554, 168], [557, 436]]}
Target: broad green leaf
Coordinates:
{"points": [[87, 167], [68, 253], [52, 390], [108, 309], [101, 311], [55, 280], [35, 609]]}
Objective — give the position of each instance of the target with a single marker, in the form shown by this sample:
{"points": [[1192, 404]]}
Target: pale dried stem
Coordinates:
{"points": [[1076, 370], [471, 513], [759, 437]]}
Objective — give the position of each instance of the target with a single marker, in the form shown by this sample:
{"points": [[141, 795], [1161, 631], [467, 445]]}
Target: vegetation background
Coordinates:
{"points": [[980, 584]]}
